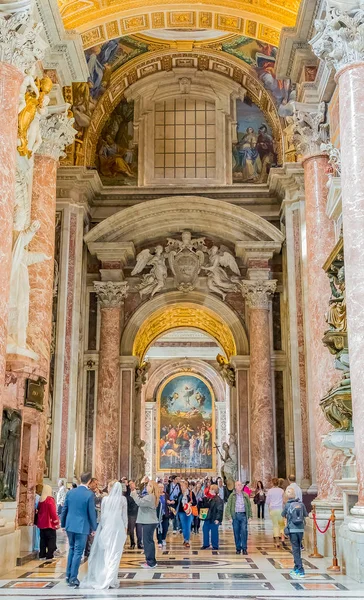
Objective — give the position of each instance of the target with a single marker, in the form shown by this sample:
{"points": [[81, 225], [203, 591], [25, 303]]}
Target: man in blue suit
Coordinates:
{"points": [[79, 520]]}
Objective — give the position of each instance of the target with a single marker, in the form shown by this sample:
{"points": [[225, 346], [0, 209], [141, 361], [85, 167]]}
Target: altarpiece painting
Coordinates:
{"points": [[186, 424]]}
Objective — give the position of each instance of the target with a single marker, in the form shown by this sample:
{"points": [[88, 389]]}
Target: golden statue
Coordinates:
{"points": [[336, 315], [28, 113], [226, 370]]}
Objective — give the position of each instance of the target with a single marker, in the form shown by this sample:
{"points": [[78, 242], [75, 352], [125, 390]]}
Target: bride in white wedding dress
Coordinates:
{"points": [[108, 544]]}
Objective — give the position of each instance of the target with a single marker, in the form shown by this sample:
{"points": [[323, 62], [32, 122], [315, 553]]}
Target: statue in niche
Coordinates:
{"points": [[155, 280], [9, 454], [139, 460], [336, 315], [218, 280], [141, 375], [20, 288], [229, 470], [226, 371]]}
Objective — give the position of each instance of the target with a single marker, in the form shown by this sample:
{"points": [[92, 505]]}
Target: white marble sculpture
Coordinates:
{"points": [[20, 289], [155, 280], [218, 280]]}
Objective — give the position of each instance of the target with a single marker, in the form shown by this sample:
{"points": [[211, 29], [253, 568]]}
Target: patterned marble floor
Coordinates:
{"points": [[193, 573]]}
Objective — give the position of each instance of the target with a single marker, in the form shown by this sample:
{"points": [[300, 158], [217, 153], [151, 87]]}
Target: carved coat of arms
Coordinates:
{"points": [[185, 259]]}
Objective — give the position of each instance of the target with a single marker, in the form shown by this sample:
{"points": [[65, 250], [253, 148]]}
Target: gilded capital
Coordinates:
{"points": [[258, 293], [21, 44], [111, 294], [57, 133], [310, 129], [339, 37]]}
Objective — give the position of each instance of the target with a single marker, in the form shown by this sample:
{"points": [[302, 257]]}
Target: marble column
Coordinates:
{"points": [[111, 296], [239, 399], [57, 133], [320, 240], [339, 43], [20, 48], [262, 436]]}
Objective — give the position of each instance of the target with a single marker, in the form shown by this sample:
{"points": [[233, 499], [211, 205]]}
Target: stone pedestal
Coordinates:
{"points": [[111, 296], [262, 446]]}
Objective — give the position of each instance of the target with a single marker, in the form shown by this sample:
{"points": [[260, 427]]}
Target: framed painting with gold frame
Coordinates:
{"points": [[186, 424]]}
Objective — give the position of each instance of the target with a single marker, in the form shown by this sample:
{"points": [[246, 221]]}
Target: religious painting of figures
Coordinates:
{"points": [[186, 424], [117, 157], [253, 152], [262, 57], [102, 60]]}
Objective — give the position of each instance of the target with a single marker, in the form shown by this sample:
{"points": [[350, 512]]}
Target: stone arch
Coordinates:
{"points": [[204, 59], [165, 216], [205, 312], [193, 365]]}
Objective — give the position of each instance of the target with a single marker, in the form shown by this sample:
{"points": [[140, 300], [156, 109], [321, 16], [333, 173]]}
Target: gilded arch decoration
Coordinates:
{"points": [[165, 61], [183, 315]]}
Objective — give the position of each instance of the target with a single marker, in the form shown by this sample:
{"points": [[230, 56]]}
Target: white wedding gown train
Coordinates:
{"points": [[108, 545]]}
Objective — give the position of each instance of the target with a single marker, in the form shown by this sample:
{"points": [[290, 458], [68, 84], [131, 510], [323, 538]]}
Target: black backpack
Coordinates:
{"points": [[295, 514]]}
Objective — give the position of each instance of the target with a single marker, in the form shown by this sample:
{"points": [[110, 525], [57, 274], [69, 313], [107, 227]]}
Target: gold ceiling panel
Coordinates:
{"points": [[261, 19], [183, 315]]}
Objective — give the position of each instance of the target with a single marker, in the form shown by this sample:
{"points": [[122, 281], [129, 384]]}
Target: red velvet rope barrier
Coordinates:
{"points": [[317, 527]]}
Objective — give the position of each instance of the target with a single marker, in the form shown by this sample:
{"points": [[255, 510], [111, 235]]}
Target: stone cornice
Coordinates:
{"points": [[287, 182]]}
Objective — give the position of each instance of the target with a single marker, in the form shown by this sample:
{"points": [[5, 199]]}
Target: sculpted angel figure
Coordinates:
{"points": [[141, 374], [336, 315], [19, 285], [155, 280], [226, 370], [218, 280]]}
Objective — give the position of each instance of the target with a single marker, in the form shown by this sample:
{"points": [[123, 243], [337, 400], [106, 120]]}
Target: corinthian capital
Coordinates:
{"points": [[21, 44], [339, 39], [111, 294], [259, 292], [57, 133], [310, 130]]}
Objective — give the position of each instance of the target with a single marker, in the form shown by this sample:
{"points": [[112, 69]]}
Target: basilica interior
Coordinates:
{"points": [[182, 250]]}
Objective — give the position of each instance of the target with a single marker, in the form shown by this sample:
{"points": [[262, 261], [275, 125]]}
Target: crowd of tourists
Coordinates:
{"points": [[98, 521]]}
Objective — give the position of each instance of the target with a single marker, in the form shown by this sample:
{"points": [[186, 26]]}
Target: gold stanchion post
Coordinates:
{"points": [[335, 565], [315, 553]]}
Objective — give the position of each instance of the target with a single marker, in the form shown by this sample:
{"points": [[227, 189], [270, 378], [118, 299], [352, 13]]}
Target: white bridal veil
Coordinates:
{"points": [[108, 544]]}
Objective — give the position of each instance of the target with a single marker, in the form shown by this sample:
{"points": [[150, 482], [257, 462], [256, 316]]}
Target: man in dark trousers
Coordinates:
{"points": [[79, 520]]}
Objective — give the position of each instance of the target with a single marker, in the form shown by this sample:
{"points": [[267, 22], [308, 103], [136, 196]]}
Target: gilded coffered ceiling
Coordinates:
{"points": [[101, 20]]}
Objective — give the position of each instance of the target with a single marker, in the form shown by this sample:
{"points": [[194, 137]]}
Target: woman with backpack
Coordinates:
{"points": [[295, 513]]}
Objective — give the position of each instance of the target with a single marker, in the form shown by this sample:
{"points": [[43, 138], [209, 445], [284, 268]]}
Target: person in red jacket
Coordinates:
{"points": [[47, 522]]}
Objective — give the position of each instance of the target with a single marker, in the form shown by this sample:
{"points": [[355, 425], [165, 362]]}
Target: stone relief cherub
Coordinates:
{"points": [[218, 280], [155, 280]]}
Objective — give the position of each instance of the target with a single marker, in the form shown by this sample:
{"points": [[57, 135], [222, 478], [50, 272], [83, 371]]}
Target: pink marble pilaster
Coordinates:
{"points": [[321, 373], [10, 81], [41, 275], [261, 402], [351, 94], [262, 445], [110, 297]]}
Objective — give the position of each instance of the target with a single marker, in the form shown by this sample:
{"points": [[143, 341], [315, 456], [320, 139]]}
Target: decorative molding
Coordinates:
{"points": [[334, 156], [339, 39], [111, 294], [21, 44], [258, 293], [310, 130], [57, 133]]}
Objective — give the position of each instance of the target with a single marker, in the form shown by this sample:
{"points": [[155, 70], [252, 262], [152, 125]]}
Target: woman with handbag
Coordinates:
{"points": [[213, 519], [185, 503], [48, 523], [259, 499]]}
